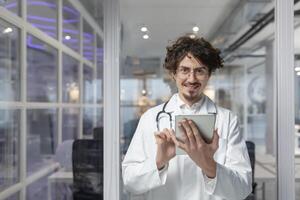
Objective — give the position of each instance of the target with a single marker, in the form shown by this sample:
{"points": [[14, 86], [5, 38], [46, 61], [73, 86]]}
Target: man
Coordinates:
{"points": [[216, 170]]}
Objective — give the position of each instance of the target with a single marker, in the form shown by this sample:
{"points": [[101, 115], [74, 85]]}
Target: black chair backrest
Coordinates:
{"points": [[251, 152], [87, 161]]}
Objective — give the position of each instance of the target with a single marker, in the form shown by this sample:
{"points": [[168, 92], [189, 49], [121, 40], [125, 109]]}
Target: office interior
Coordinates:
{"points": [[52, 83]]}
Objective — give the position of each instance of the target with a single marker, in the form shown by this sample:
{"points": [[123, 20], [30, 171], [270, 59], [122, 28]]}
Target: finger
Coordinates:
{"points": [[168, 135], [189, 133], [184, 137], [163, 135], [158, 139], [199, 139]]}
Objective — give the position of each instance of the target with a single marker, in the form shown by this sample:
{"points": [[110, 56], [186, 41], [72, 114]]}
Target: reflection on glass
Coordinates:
{"points": [[99, 117], [43, 15], [41, 71], [9, 62], [88, 41], [9, 147], [70, 79], [11, 5], [41, 138], [88, 86], [131, 89], [70, 26], [157, 90], [88, 119], [37, 190], [99, 80], [15, 196], [70, 123]]}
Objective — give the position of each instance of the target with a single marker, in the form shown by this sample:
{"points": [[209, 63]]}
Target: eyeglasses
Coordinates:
{"points": [[200, 72]]}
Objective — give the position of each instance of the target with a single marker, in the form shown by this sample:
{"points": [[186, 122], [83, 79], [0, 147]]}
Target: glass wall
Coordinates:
{"points": [[70, 80], [41, 59], [43, 15], [12, 5], [245, 85], [41, 138], [49, 86], [10, 70], [9, 147], [71, 24]]}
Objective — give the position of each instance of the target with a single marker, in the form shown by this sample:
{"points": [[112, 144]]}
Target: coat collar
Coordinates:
{"points": [[208, 106]]}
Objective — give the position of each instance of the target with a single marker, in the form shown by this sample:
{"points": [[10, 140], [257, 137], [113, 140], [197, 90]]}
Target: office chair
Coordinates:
{"points": [[87, 161], [251, 151]]}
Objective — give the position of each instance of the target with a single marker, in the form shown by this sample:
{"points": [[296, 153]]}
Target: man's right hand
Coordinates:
{"points": [[165, 147]]}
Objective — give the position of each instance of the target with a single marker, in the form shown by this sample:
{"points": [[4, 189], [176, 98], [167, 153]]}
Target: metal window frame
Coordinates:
{"points": [[26, 28]]}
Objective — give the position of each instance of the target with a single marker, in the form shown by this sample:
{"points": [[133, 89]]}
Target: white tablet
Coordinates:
{"points": [[204, 122]]}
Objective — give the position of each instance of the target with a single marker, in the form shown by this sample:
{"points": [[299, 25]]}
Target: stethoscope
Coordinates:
{"points": [[169, 114]]}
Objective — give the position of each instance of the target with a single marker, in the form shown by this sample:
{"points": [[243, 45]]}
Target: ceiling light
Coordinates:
{"points": [[144, 29], [298, 73], [7, 30], [297, 69], [67, 37], [195, 28], [192, 36], [146, 36]]}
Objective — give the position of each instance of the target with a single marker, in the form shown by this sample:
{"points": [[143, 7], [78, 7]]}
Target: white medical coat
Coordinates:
{"points": [[182, 179]]}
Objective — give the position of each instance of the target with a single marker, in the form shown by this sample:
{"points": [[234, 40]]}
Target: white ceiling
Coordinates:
{"points": [[166, 20]]}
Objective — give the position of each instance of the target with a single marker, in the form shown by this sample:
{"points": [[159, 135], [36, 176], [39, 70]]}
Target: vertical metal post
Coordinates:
{"points": [[60, 70], [23, 131], [111, 100], [284, 47]]}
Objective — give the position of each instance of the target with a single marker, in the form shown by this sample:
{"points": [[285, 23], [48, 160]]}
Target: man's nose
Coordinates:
{"points": [[192, 76]]}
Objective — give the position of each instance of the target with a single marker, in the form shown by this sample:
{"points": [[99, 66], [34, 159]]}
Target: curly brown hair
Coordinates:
{"points": [[198, 47]]}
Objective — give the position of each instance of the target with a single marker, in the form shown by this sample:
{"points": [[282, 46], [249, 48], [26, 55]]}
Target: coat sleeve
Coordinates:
{"points": [[234, 177], [139, 170]]}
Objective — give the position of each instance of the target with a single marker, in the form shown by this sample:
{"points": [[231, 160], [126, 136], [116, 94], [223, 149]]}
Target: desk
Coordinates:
{"points": [[59, 177], [266, 172]]}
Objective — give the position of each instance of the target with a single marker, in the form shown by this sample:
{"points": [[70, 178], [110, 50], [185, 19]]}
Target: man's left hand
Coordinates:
{"points": [[197, 149]]}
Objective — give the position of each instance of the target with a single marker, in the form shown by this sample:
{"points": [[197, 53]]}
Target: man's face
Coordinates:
{"points": [[191, 78]]}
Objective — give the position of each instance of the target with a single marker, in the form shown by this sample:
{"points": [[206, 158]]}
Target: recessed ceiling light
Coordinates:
{"points": [[192, 36], [67, 37], [7, 30], [297, 69], [298, 73], [195, 28], [144, 29], [146, 36]]}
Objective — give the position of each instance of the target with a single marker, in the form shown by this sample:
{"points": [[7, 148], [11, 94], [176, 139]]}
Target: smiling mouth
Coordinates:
{"points": [[192, 87]]}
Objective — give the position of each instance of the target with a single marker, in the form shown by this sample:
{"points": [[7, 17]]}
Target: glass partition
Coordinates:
{"points": [[41, 71], [88, 43], [9, 147], [11, 5], [70, 79], [70, 121], [43, 15], [10, 74], [71, 23], [41, 138]]}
